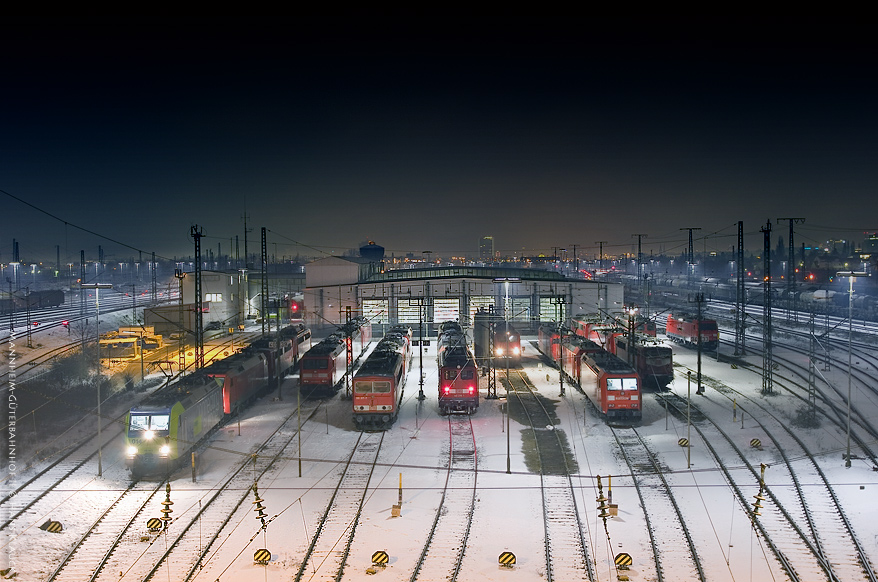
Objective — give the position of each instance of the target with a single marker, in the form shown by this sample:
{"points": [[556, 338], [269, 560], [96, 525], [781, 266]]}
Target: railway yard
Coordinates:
{"points": [[549, 492]]}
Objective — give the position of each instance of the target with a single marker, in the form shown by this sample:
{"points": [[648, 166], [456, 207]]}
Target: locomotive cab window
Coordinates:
{"points": [[614, 384], [144, 422], [314, 364], [629, 384], [369, 387]]}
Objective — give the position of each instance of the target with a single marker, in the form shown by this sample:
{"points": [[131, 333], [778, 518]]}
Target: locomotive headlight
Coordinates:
{"points": [[148, 435], [499, 351], [132, 451], [516, 351], [165, 450]]}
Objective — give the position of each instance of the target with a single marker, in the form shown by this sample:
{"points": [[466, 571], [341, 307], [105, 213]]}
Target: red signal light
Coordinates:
{"points": [[65, 323]]}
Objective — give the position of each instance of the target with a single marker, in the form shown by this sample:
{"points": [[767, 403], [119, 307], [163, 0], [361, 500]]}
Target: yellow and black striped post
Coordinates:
{"points": [[623, 561], [380, 558], [262, 556], [507, 559], [52, 526], [153, 524]]}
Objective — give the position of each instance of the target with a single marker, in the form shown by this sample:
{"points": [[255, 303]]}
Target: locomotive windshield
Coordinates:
{"points": [[154, 422], [621, 383], [369, 387], [463, 374], [315, 364]]}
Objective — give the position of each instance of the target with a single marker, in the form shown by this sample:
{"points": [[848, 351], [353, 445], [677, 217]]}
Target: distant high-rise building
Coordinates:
{"points": [[486, 248]]}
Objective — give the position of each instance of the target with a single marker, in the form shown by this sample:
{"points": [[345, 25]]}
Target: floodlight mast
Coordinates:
{"points": [[852, 276], [97, 287]]}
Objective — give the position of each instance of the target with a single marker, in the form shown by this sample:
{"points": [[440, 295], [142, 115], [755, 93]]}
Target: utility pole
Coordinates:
{"points": [[559, 301], [154, 290], [264, 286], [639, 256], [812, 369], [699, 300], [740, 298], [690, 262], [247, 264], [791, 272], [197, 233], [767, 355], [601, 255]]}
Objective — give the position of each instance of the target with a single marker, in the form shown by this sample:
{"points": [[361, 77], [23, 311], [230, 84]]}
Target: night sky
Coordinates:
{"points": [[425, 140]]}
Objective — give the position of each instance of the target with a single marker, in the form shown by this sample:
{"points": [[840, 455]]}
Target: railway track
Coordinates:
{"points": [[327, 554], [40, 490], [815, 506], [824, 391], [448, 535], [654, 491], [90, 554], [785, 525], [566, 550]]}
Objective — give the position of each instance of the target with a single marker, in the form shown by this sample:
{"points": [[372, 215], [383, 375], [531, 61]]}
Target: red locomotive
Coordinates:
{"points": [[653, 361], [573, 350], [323, 367], [612, 385], [458, 374], [378, 384], [241, 377], [582, 324], [507, 342], [549, 341], [301, 338], [644, 325], [685, 329]]}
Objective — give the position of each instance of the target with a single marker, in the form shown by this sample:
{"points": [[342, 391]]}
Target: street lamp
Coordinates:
{"points": [[97, 287], [851, 275]]}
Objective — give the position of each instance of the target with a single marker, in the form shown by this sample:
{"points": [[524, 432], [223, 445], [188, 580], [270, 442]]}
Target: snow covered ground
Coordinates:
{"points": [[508, 513]]}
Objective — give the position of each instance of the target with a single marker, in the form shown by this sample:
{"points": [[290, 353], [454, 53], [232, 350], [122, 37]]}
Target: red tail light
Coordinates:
{"points": [[471, 389], [446, 389]]}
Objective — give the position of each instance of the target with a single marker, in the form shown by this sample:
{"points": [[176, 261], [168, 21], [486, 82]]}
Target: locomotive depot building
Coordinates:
{"points": [[338, 288]]}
